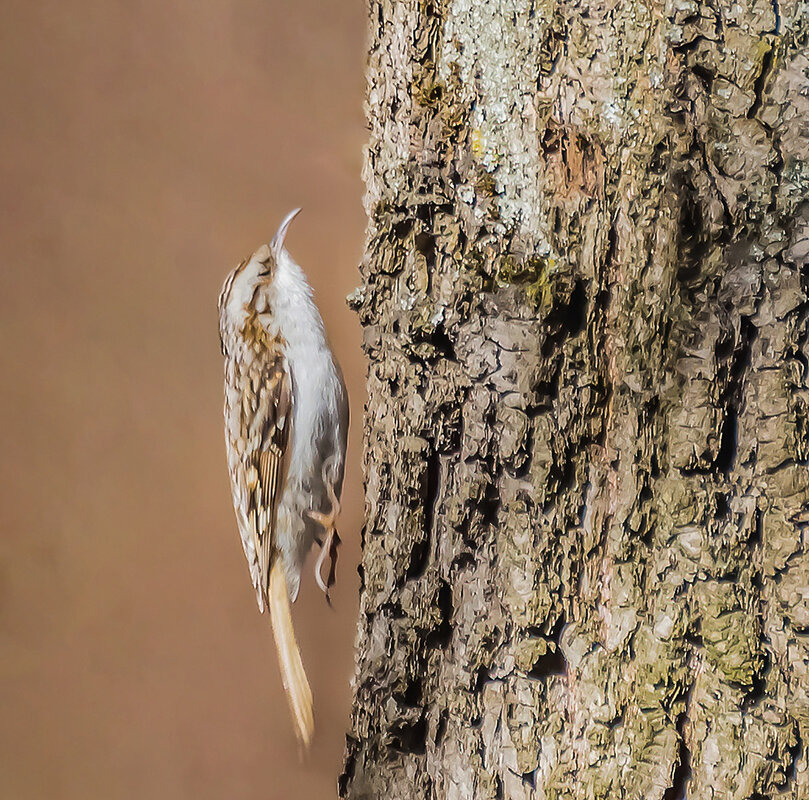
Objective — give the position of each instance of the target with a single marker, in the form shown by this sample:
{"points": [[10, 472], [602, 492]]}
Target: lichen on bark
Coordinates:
{"points": [[585, 570]]}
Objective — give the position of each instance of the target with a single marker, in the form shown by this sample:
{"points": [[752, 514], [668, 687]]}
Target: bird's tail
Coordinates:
{"points": [[293, 676]]}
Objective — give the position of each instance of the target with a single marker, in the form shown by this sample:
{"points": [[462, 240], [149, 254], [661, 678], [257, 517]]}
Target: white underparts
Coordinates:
{"points": [[318, 395]]}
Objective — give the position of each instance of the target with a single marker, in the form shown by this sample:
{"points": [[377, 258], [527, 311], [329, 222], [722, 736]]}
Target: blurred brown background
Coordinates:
{"points": [[146, 148]]}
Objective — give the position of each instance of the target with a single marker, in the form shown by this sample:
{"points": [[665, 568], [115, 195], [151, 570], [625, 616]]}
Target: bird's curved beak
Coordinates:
{"points": [[277, 244]]}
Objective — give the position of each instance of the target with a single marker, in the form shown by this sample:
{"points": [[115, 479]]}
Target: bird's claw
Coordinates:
{"points": [[328, 546]]}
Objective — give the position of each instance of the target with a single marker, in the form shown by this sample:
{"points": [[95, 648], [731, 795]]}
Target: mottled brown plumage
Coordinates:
{"points": [[286, 420]]}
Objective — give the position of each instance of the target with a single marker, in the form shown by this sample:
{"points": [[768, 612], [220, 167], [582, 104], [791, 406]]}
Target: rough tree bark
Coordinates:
{"points": [[584, 300]]}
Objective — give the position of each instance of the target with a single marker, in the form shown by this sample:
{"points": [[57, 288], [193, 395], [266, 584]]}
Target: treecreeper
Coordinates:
{"points": [[286, 426]]}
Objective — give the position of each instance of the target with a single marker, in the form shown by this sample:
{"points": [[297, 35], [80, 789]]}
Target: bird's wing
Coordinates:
{"points": [[266, 430], [266, 415]]}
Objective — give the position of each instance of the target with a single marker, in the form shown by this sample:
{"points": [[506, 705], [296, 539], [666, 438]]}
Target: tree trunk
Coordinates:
{"points": [[586, 568]]}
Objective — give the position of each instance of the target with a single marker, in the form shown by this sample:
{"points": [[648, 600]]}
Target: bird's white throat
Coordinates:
{"points": [[293, 309]]}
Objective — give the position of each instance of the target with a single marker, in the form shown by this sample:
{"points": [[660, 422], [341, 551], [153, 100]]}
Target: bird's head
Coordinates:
{"points": [[240, 296]]}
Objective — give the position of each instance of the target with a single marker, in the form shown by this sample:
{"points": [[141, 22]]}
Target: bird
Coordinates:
{"points": [[286, 430]]}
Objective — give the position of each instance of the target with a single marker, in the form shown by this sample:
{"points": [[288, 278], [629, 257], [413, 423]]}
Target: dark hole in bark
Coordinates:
{"points": [[431, 489], [603, 299], [758, 86], [722, 507], [682, 772], [568, 476], [442, 343], [574, 316], [412, 693], [693, 634], [549, 141], [393, 610], [402, 228], [425, 244], [441, 728], [705, 76], [691, 44], [481, 679], [530, 778], [748, 333], [660, 157], [549, 388], [612, 249], [552, 663], [411, 737], [440, 636], [795, 752], [742, 355], [726, 456], [647, 534], [689, 272], [723, 348], [566, 320], [489, 504], [419, 558], [755, 534], [758, 689], [463, 561], [654, 465]]}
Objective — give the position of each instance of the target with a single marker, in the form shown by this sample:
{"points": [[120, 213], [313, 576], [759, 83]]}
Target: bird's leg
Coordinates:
{"points": [[328, 550], [328, 547]]}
